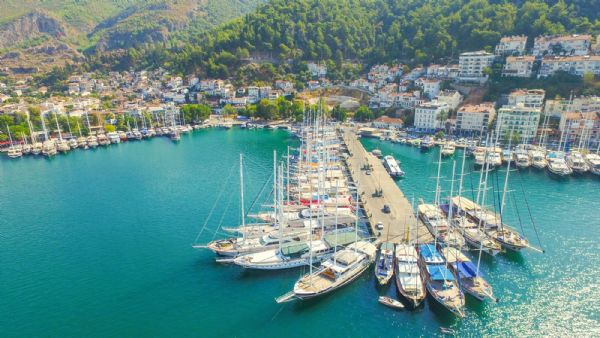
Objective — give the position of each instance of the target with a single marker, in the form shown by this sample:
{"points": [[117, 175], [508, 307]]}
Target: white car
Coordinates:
{"points": [[379, 225]]}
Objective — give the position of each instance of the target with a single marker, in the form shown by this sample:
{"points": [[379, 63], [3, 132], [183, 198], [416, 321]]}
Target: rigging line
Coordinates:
{"points": [[518, 214], [222, 217], [215, 204], [262, 190], [499, 199], [529, 211]]}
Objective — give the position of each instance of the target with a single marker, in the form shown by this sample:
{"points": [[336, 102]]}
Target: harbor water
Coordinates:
{"points": [[98, 243]]}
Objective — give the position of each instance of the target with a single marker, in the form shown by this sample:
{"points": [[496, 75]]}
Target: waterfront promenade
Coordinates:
{"points": [[401, 217]]}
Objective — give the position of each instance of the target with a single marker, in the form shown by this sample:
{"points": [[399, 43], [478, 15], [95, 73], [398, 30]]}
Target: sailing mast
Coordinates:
{"points": [[242, 193]]}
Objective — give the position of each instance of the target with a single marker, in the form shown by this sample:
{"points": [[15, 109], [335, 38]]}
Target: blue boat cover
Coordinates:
{"points": [[439, 272], [466, 269], [429, 253]]}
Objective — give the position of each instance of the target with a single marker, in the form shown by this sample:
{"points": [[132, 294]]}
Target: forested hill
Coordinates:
{"points": [[418, 31]]}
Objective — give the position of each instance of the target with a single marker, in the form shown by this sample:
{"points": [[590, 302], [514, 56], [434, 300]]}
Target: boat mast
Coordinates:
{"points": [[44, 127], [437, 183], [30, 130], [451, 193], [9, 136], [287, 189], [58, 127], [504, 191], [242, 192], [275, 211]]}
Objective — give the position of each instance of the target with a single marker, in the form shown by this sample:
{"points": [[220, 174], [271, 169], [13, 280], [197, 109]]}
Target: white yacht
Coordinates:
{"points": [[448, 149], [538, 160], [92, 141], [577, 162], [14, 152], [522, 160], [49, 148], [593, 161], [114, 137]]}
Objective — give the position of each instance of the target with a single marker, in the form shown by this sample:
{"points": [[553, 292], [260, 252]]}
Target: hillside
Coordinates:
{"points": [[414, 31], [92, 26]]}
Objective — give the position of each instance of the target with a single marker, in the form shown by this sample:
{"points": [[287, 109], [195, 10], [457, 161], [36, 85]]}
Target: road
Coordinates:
{"points": [[401, 217]]}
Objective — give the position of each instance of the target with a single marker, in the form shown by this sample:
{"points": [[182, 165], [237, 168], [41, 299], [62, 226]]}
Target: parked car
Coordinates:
{"points": [[386, 209], [379, 225]]}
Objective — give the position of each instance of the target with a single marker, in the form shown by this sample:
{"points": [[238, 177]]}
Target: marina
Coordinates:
{"points": [[189, 283]]}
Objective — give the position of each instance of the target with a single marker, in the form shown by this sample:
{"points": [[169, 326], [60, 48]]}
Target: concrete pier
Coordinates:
{"points": [[401, 217]]}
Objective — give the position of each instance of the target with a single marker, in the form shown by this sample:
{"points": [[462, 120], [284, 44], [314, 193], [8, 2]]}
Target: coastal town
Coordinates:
{"points": [[444, 100], [300, 168]]}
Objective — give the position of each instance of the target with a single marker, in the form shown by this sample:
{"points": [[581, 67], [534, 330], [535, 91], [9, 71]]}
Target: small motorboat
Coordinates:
{"points": [[447, 331], [387, 301]]}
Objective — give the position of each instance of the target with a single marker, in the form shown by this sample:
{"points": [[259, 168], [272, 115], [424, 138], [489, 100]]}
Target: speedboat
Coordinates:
{"points": [[387, 301]]}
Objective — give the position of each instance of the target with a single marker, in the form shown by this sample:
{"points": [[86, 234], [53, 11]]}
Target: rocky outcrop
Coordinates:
{"points": [[27, 27]]}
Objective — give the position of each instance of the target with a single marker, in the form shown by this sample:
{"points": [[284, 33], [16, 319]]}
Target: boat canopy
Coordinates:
{"points": [[439, 273], [294, 248], [430, 254], [342, 238], [466, 269]]}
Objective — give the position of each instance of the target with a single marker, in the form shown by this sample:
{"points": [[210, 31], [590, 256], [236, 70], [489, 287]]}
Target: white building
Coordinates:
{"points": [[518, 119], [427, 115], [518, 66], [450, 97], [582, 104], [576, 65], [430, 87], [562, 45], [317, 70], [528, 98], [386, 122], [475, 117], [578, 125], [511, 45], [472, 65]]}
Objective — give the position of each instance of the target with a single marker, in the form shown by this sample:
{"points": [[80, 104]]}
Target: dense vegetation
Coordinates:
{"points": [[113, 24], [372, 31]]}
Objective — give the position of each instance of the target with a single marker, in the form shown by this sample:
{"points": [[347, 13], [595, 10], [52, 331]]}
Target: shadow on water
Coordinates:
{"points": [[443, 315]]}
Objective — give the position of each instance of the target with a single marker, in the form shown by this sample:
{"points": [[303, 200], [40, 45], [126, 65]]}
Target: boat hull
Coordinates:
{"points": [[355, 275]]}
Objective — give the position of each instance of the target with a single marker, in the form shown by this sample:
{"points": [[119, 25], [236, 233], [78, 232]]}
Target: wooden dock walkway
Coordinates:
{"points": [[401, 216]]}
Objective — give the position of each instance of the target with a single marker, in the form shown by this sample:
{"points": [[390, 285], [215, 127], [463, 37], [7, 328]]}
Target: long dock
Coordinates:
{"points": [[401, 217]]}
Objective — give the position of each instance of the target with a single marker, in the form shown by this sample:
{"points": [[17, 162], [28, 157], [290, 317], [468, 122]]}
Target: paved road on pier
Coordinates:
{"points": [[401, 217]]}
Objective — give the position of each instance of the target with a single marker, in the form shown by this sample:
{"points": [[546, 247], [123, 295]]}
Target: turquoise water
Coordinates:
{"points": [[98, 243]]}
